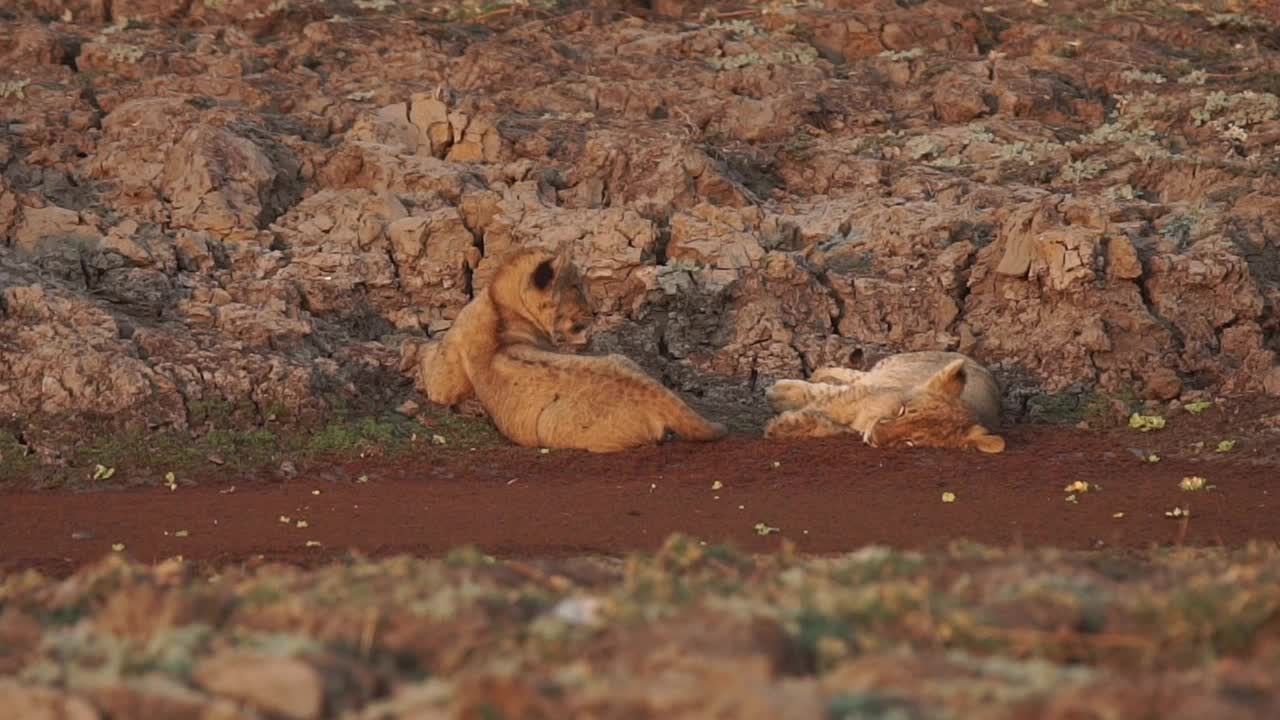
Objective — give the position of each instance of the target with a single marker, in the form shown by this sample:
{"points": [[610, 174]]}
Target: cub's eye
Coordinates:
{"points": [[578, 327]]}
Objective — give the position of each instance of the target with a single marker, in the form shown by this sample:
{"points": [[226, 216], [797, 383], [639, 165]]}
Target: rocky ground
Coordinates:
{"points": [[245, 214]]}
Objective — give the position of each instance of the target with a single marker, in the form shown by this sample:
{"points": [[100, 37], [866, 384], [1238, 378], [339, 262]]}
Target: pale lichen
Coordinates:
{"points": [[126, 53], [14, 88], [1081, 170], [1137, 76], [899, 55], [799, 56]]}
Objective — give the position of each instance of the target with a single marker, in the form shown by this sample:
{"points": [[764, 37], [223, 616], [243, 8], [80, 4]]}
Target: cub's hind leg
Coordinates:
{"points": [[803, 424], [836, 376], [627, 363]]}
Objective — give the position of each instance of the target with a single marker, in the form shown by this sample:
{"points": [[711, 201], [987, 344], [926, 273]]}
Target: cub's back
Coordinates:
{"points": [[540, 397]]}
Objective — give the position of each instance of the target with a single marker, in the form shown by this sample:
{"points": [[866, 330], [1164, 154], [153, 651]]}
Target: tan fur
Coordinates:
{"points": [[920, 399], [564, 325], [540, 397]]}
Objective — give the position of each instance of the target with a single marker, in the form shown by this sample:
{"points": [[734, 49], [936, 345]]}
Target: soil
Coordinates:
{"points": [[825, 496]]}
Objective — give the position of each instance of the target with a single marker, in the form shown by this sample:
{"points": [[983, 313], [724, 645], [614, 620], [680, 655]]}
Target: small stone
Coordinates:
{"points": [[40, 703], [1122, 259], [154, 697], [409, 408], [1194, 396], [280, 686], [1164, 384], [288, 469], [1271, 381]]}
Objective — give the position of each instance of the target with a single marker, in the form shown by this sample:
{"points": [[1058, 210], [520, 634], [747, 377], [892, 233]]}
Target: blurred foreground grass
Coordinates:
{"points": [[690, 631]]}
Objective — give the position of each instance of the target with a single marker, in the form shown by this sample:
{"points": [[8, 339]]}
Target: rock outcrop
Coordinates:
{"points": [[259, 206]]}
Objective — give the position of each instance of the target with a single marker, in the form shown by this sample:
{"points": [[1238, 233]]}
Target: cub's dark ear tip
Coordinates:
{"points": [[543, 274]]}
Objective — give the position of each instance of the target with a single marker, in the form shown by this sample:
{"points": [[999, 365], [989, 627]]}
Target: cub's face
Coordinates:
{"points": [[563, 303], [930, 415], [572, 328]]}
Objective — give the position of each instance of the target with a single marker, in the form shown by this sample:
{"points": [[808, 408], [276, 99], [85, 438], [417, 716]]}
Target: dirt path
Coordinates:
{"points": [[826, 496]]}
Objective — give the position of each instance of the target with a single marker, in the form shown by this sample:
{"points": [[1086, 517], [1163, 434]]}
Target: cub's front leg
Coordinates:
{"points": [[803, 424], [441, 376]]}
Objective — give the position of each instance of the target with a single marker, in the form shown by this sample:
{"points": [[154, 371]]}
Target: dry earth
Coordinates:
{"points": [[228, 226], [1054, 487]]}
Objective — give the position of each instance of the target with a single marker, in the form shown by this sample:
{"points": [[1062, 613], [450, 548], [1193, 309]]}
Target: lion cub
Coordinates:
{"points": [[502, 349], [917, 399]]}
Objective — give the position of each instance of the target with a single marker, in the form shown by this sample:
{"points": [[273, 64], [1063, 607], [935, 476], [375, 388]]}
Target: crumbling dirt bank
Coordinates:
{"points": [[227, 214]]}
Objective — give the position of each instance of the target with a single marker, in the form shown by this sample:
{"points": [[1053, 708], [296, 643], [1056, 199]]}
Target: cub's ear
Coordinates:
{"points": [[949, 380], [563, 263], [543, 274], [979, 439], [564, 252]]}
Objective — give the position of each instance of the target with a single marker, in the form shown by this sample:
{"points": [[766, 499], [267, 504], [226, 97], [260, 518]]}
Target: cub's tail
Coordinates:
{"points": [[681, 419]]}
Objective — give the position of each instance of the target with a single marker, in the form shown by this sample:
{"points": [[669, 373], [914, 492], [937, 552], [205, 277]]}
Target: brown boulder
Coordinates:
{"points": [[217, 181]]}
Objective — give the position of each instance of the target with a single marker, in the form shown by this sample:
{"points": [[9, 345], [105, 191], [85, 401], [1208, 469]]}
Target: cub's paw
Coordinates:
{"points": [[788, 395], [803, 424], [470, 407], [778, 428]]}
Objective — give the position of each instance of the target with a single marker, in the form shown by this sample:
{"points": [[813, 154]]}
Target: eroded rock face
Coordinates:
{"points": [[253, 204], [218, 182], [63, 355]]}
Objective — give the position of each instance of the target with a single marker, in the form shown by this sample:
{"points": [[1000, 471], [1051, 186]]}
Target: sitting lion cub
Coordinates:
{"points": [[917, 399], [441, 373], [502, 348]]}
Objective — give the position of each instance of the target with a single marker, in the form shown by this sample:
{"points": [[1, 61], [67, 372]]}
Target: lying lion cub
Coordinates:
{"points": [[502, 348], [917, 399]]}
